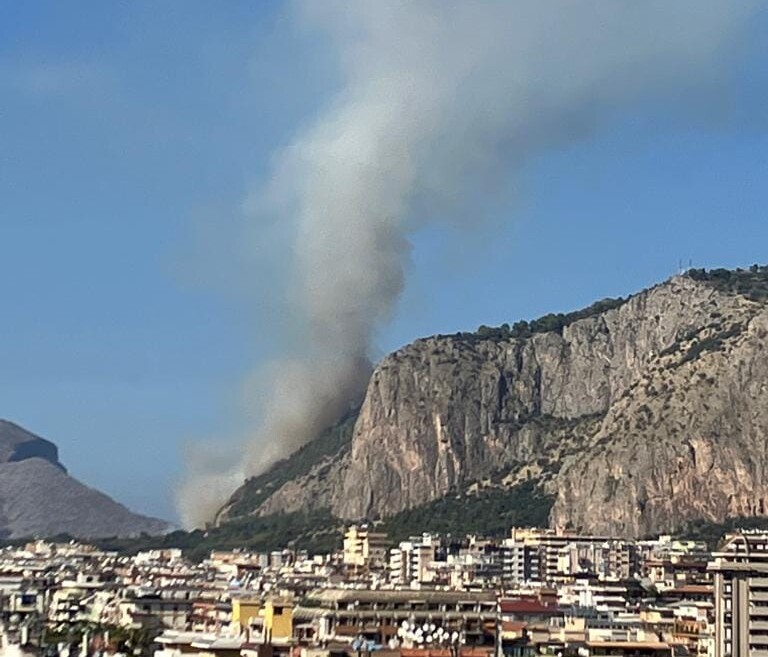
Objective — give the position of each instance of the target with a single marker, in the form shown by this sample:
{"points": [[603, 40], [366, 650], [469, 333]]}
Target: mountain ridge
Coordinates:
{"points": [[38, 498], [18, 444], [545, 401]]}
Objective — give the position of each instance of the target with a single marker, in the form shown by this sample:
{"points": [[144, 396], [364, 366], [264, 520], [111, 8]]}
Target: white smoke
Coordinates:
{"points": [[441, 101]]}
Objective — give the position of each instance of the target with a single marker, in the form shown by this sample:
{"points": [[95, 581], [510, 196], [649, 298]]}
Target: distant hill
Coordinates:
{"points": [[632, 417], [39, 498]]}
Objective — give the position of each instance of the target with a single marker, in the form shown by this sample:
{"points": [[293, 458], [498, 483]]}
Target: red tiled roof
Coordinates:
{"points": [[527, 607], [445, 652], [513, 626]]}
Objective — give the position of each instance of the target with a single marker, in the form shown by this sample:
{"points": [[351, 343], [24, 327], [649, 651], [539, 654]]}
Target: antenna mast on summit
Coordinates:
{"points": [[680, 266]]}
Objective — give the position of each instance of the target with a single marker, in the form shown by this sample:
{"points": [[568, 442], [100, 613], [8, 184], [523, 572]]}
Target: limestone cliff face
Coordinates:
{"points": [[638, 418], [687, 442], [445, 412]]}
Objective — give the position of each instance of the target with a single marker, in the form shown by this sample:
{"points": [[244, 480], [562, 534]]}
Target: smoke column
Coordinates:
{"points": [[441, 101]]}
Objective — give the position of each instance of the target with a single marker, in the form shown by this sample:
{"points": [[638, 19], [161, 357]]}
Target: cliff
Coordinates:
{"points": [[636, 416], [17, 444]]}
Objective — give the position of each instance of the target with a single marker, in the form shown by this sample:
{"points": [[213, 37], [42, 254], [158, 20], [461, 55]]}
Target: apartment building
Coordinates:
{"points": [[740, 571], [364, 548], [563, 555], [410, 563]]}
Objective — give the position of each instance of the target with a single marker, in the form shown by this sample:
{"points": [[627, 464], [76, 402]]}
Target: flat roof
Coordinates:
{"points": [[405, 595], [632, 645]]}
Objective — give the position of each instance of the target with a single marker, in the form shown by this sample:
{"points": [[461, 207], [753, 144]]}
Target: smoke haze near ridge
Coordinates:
{"points": [[440, 102]]}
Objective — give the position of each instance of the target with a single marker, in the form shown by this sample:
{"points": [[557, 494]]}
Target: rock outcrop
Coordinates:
{"points": [[39, 498], [638, 418]]}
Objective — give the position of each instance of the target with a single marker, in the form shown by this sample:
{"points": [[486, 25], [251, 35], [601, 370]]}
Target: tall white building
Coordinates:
{"points": [[741, 596], [520, 562], [410, 563]]}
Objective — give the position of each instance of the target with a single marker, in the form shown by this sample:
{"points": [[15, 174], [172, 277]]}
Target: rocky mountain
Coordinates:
{"points": [[39, 498], [632, 417]]}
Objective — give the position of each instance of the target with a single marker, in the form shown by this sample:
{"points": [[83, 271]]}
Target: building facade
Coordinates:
{"points": [[740, 571]]}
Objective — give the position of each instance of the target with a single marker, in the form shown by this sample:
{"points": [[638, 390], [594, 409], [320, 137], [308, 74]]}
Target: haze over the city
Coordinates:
{"points": [[140, 292]]}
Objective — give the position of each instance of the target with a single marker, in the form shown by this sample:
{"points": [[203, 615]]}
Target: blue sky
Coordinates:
{"points": [[130, 133]]}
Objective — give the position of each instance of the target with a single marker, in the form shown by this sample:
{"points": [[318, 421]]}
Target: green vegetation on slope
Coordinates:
{"points": [[317, 532], [712, 533], [333, 442], [551, 322], [489, 512], [751, 283]]}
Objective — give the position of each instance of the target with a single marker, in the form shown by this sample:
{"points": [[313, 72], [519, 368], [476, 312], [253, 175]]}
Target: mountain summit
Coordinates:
{"points": [[632, 417], [39, 498]]}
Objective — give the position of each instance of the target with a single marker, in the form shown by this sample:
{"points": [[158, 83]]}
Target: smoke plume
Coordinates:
{"points": [[441, 101]]}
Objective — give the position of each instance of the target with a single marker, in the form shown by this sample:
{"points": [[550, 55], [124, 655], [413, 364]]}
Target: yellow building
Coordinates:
{"points": [[244, 611], [278, 621]]}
